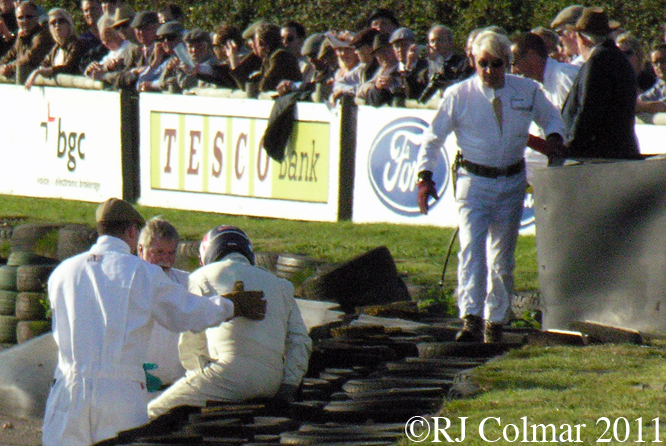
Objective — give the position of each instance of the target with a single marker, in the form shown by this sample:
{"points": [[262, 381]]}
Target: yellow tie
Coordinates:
{"points": [[497, 107]]}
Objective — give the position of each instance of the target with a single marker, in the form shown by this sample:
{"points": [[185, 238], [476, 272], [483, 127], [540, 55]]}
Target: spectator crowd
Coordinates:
{"points": [[384, 63]]}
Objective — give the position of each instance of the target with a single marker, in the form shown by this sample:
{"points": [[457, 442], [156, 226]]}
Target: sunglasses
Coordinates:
{"points": [[495, 63], [59, 21], [25, 17], [167, 38], [289, 39]]}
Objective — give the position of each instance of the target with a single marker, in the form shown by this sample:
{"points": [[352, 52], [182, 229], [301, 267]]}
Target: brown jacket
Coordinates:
{"points": [[280, 65], [74, 50], [29, 51]]}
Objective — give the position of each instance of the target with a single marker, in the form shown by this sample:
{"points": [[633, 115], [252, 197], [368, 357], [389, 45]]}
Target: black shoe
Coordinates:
{"points": [[492, 333], [472, 330]]}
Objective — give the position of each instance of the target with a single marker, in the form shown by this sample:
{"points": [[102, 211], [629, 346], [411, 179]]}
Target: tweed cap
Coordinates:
{"points": [[312, 44], [594, 20], [382, 13], [401, 34], [197, 35], [171, 28], [116, 210], [248, 33], [123, 16], [364, 37], [380, 41], [567, 16], [145, 18]]}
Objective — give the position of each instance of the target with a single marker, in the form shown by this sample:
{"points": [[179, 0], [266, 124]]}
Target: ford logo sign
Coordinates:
{"points": [[392, 165]]}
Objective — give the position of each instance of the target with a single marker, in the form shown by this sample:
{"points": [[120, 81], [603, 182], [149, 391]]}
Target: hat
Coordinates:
{"points": [[594, 20], [123, 16], [364, 37], [116, 210], [380, 41], [248, 33], [401, 34], [145, 18], [567, 16], [170, 28], [385, 13], [312, 45], [338, 43], [197, 35]]}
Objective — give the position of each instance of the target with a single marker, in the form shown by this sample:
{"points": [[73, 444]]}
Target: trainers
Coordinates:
{"points": [[492, 333], [472, 330]]}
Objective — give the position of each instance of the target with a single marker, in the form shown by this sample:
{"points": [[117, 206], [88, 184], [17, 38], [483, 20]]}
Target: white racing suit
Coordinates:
{"points": [[241, 359], [104, 304]]}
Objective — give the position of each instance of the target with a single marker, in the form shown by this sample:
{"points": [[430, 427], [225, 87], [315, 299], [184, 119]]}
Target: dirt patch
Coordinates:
{"points": [[20, 432]]}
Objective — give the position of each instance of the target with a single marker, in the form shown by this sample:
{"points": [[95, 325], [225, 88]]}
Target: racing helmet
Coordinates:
{"points": [[223, 240]]}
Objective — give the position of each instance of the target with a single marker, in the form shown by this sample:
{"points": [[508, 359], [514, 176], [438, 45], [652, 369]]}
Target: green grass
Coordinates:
{"points": [[418, 251], [562, 386], [567, 386]]}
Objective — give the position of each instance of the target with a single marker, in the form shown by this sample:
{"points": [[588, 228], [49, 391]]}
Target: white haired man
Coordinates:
{"points": [[490, 115], [158, 244], [239, 360]]}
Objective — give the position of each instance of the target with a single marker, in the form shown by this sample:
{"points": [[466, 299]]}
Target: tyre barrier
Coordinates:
{"points": [[368, 279], [38, 238], [26, 330], [266, 260], [74, 239], [8, 329], [358, 391], [31, 306], [295, 267], [20, 258], [7, 302], [33, 278], [8, 277]]}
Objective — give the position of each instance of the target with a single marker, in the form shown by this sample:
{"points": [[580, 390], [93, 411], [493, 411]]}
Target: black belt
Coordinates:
{"points": [[493, 172]]}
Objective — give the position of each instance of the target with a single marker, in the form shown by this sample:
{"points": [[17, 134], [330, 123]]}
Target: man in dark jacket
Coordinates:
{"points": [[599, 112], [277, 63], [32, 44]]}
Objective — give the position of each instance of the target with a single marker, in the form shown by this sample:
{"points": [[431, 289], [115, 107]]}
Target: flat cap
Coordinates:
{"points": [[170, 29], [117, 210], [380, 41], [382, 13], [248, 33], [567, 16], [145, 18], [197, 35], [401, 34], [594, 20], [364, 37], [312, 44], [123, 16]]}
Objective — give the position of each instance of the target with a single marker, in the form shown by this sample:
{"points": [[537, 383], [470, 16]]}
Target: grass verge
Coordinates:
{"points": [[581, 395], [419, 251]]}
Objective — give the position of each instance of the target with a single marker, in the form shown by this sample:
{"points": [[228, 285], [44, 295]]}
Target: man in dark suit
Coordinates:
{"points": [[599, 112]]}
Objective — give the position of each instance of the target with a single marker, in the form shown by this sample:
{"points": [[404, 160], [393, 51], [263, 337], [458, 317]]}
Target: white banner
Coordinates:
{"points": [[385, 181], [206, 154], [60, 143]]}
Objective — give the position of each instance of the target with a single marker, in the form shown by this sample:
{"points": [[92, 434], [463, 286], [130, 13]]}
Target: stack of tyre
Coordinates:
{"points": [[36, 249]]}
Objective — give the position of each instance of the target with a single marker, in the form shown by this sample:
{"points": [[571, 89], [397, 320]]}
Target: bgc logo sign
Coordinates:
{"points": [[392, 165]]}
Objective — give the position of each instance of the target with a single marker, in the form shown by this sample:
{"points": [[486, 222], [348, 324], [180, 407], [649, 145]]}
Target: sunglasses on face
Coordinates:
{"points": [[167, 38], [289, 39], [25, 17], [59, 21], [496, 63]]}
